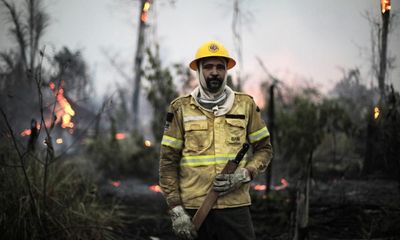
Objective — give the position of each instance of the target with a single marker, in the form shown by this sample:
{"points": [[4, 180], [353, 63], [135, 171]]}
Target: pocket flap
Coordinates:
{"points": [[196, 125], [236, 122]]}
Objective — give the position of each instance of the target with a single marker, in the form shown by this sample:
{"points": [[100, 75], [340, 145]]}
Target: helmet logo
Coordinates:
{"points": [[213, 48]]}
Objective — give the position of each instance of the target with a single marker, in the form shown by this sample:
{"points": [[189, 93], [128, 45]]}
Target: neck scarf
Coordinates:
{"points": [[220, 102]]}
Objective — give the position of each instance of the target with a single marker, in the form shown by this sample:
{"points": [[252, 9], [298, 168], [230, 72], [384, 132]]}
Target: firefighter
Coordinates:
{"points": [[203, 130]]}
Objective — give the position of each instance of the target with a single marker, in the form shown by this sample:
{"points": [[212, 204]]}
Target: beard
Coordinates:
{"points": [[214, 84]]}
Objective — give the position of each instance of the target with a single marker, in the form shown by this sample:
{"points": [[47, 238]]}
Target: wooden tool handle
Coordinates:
{"points": [[212, 195]]}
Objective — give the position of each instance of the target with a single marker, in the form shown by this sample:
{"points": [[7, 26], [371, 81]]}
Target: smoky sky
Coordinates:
{"points": [[308, 39]]}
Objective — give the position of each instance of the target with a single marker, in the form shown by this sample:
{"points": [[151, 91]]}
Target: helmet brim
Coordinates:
{"points": [[230, 63]]}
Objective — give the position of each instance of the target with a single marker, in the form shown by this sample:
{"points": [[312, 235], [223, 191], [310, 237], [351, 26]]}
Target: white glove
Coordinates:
{"points": [[181, 223], [225, 183]]}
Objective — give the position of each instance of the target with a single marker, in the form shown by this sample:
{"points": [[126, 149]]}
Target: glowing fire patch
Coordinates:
{"points": [[147, 143], [263, 187], [144, 15], [26, 132], [64, 111], [385, 6], [59, 141], [52, 86], [155, 188], [120, 136], [284, 184], [116, 183], [146, 6], [260, 187], [376, 112]]}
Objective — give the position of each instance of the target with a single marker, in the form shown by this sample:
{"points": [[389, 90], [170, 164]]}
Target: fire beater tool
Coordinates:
{"points": [[212, 195]]}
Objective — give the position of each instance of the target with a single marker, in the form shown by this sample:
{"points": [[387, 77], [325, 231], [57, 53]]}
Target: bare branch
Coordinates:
{"points": [[37, 21], [18, 30], [34, 208], [264, 68], [116, 66], [10, 165], [7, 59]]}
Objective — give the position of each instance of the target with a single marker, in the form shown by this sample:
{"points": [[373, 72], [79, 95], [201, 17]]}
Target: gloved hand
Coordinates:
{"points": [[225, 183], [181, 223]]}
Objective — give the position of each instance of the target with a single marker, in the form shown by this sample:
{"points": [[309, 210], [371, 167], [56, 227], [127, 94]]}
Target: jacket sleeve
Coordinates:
{"points": [[259, 138], [170, 155]]}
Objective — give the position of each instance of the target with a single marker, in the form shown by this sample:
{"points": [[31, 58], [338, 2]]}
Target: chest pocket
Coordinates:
{"points": [[197, 136], [235, 131]]}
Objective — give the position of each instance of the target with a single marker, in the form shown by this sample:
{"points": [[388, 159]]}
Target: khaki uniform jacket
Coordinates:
{"points": [[196, 145]]}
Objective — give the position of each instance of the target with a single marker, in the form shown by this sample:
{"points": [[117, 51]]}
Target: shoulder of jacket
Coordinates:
{"points": [[244, 96], [177, 102]]}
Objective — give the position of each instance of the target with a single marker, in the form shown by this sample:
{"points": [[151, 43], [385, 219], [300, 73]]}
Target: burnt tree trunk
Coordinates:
{"points": [[303, 204], [271, 120], [383, 53], [138, 67]]}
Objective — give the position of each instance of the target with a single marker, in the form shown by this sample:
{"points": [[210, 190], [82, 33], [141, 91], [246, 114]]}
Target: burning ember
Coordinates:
{"points": [[284, 184], [376, 112], [145, 11], [59, 141], [120, 136], [26, 132], [155, 188], [116, 183], [260, 187], [64, 112], [263, 187], [385, 6], [147, 143]]}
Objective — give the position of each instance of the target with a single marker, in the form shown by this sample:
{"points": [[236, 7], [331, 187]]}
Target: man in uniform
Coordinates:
{"points": [[204, 130]]}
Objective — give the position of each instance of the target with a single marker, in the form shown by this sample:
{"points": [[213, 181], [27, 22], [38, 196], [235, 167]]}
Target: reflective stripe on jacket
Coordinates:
{"points": [[196, 146]]}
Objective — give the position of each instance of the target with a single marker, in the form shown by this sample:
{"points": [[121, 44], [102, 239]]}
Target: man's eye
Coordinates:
{"points": [[220, 67], [208, 66]]}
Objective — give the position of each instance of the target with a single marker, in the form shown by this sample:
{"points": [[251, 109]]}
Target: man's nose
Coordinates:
{"points": [[214, 71]]}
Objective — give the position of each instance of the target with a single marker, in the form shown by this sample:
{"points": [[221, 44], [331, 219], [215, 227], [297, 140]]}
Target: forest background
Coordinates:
{"points": [[82, 166]]}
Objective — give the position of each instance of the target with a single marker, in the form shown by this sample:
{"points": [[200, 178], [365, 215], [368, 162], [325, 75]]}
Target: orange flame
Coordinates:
{"points": [[385, 6], [284, 184], [52, 86], [263, 187], [155, 188], [144, 15], [26, 132], [116, 183], [260, 187], [376, 112], [147, 143], [65, 112], [120, 136]]}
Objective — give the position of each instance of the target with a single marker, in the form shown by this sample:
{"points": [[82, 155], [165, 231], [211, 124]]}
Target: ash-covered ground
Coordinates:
{"points": [[340, 209]]}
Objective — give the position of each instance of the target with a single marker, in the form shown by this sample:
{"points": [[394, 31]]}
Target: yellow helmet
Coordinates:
{"points": [[212, 49]]}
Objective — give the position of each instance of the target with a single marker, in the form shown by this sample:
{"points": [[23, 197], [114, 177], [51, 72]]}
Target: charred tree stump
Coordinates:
{"points": [[303, 204], [33, 136]]}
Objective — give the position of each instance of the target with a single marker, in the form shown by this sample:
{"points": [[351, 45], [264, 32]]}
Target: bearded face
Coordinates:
{"points": [[214, 83], [214, 70]]}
